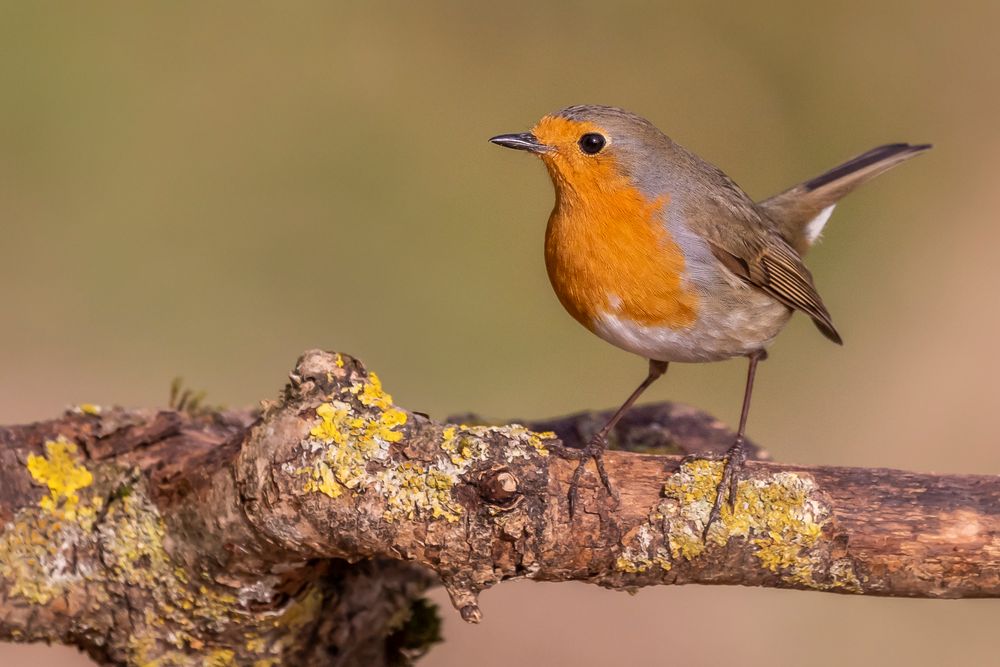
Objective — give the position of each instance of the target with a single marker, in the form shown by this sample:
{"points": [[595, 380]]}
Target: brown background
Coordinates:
{"points": [[205, 191]]}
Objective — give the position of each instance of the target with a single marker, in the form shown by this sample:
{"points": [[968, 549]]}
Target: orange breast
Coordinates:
{"points": [[607, 251]]}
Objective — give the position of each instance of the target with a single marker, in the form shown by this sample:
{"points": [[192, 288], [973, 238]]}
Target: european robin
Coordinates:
{"points": [[661, 254]]}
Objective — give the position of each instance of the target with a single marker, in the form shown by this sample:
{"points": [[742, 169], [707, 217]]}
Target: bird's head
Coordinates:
{"points": [[592, 149]]}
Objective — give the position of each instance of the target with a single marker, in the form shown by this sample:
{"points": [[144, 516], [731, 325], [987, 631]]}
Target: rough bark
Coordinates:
{"points": [[305, 533]]}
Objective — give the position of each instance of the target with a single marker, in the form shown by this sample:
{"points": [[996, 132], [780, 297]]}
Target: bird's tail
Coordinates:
{"points": [[802, 211]]}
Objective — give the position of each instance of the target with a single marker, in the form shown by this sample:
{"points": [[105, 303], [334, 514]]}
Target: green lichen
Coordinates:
{"points": [[781, 515]]}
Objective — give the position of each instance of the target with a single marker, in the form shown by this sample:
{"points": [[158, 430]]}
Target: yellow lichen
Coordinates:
{"points": [[348, 449], [635, 564], [349, 437], [349, 440], [133, 539], [147, 653], [519, 436], [60, 472], [219, 658], [518, 441], [49, 551], [780, 515], [255, 644], [642, 552], [37, 549], [330, 428], [371, 393], [413, 490], [464, 445]]}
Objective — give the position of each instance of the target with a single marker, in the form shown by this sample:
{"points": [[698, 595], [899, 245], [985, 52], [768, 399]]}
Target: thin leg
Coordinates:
{"points": [[595, 448], [737, 455]]}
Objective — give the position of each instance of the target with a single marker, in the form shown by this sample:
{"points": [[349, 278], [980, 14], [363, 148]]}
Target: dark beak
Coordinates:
{"points": [[525, 141]]}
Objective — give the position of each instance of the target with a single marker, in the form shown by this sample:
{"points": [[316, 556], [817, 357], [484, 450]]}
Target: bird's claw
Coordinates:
{"points": [[726, 490], [594, 450]]}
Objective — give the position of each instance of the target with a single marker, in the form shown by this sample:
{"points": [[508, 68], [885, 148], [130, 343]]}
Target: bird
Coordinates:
{"points": [[661, 254]]}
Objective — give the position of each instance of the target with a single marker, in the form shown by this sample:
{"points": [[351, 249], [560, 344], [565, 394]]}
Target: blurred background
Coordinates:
{"points": [[205, 191]]}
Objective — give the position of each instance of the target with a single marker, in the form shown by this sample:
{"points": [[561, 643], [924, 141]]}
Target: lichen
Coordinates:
{"points": [[781, 515], [418, 491], [414, 490], [371, 394], [523, 442], [96, 533], [348, 450], [349, 439], [132, 539], [180, 612], [644, 554], [185, 612], [37, 548], [348, 436], [463, 444], [148, 654], [63, 475]]}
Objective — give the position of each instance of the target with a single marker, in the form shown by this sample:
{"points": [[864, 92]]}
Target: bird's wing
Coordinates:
{"points": [[751, 246], [766, 261]]}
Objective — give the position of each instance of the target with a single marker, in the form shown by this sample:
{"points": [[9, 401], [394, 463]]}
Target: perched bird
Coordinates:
{"points": [[661, 254]]}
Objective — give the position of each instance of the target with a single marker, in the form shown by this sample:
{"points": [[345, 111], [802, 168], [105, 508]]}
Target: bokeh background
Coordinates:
{"points": [[205, 190]]}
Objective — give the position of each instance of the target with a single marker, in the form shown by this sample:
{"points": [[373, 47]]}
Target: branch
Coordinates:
{"points": [[305, 534]]}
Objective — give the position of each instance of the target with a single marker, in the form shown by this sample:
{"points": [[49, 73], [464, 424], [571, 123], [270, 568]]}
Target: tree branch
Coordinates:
{"points": [[306, 533]]}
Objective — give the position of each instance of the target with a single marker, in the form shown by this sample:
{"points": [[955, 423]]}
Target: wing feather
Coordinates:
{"points": [[776, 268]]}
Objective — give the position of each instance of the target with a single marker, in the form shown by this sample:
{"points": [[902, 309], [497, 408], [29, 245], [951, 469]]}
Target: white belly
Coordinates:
{"points": [[721, 331]]}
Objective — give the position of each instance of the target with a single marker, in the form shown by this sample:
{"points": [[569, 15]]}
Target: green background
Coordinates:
{"points": [[207, 189]]}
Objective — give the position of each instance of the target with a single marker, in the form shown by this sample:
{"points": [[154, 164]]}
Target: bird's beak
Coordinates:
{"points": [[525, 141]]}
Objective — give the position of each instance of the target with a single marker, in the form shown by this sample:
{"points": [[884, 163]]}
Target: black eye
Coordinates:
{"points": [[591, 143]]}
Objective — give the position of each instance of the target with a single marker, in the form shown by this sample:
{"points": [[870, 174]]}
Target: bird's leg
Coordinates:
{"points": [[595, 448], [737, 454]]}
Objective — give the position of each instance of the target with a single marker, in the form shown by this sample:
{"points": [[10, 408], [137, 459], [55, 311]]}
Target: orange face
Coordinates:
{"points": [[567, 163], [607, 248]]}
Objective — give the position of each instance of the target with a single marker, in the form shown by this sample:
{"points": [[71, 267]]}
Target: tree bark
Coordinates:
{"points": [[305, 533]]}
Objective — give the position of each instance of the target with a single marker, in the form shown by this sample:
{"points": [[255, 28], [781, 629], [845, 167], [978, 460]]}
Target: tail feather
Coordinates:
{"points": [[800, 212]]}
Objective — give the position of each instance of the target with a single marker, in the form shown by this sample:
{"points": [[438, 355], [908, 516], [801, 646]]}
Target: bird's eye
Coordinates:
{"points": [[592, 143]]}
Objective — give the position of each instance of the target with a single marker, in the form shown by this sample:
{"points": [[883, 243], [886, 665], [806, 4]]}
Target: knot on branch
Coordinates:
{"points": [[500, 488]]}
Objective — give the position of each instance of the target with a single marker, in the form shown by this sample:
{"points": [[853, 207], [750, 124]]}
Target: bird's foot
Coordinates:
{"points": [[726, 490], [593, 450]]}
